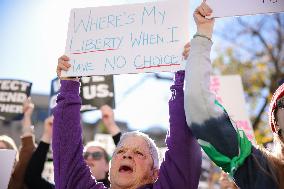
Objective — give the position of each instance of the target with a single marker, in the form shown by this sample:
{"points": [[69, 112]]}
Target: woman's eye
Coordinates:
{"points": [[139, 153]]}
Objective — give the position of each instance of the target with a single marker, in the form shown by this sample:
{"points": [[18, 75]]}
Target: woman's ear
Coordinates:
{"points": [[155, 175]]}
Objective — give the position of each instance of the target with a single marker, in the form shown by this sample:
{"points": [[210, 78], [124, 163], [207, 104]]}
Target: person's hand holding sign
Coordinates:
{"points": [[28, 108], [63, 64], [204, 25]]}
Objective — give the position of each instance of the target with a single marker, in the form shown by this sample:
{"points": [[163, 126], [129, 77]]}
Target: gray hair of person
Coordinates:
{"points": [[10, 144], [151, 144]]}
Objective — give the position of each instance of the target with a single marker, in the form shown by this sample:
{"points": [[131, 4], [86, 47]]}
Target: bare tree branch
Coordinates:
{"points": [[267, 36], [245, 48], [280, 39]]}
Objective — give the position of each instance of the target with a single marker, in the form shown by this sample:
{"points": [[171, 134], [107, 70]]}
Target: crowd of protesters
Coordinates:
{"points": [[197, 121]]}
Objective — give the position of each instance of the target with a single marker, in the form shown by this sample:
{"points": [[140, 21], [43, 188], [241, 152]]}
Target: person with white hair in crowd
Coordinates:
{"points": [[135, 162]]}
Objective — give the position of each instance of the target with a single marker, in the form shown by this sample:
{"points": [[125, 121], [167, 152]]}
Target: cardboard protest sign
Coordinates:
{"points": [[225, 8], [95, 92], [7, 158], [229, 92], [133, 38], [12, 95]]}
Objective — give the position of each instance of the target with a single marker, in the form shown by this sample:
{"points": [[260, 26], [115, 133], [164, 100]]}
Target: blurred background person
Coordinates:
{"points": [[33, 176], [7, 142], [26, 149], [95, 155]]}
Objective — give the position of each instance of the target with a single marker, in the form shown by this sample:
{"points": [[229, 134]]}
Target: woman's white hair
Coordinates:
{"points": [[151, 144]]}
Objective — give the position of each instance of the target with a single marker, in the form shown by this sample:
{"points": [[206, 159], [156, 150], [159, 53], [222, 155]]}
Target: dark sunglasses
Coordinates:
{"points": [[94, 155]]}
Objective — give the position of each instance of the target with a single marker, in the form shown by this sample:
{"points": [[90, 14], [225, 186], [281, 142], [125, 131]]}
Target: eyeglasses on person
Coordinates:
{"points": [[94, 155]]}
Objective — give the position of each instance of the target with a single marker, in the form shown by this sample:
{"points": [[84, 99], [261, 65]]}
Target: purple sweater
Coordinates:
{"points": [[180, 169]]}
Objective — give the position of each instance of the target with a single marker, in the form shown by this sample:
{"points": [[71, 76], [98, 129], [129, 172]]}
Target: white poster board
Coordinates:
{"points": [[226, 8], [7, 160], [229, 92], [133, 38]]}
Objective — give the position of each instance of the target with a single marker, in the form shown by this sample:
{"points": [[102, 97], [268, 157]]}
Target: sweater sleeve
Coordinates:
{"points": [[182, 164], [207, 120], [227, 146], [35, 168], [17, 178], [70, 169], [116, 138]]}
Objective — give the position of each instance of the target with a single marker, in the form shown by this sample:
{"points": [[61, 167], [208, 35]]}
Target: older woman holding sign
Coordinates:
{"points": [[135, 162], [217, 134]]}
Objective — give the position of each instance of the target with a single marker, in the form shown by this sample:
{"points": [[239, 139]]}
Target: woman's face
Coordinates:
{"points": [[280, 120], [98, 165], [132, 164], [3, 145]]}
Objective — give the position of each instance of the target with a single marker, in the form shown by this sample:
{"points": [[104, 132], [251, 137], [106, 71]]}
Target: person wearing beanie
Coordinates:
{"points": [[276, 110], [251, 167]]}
